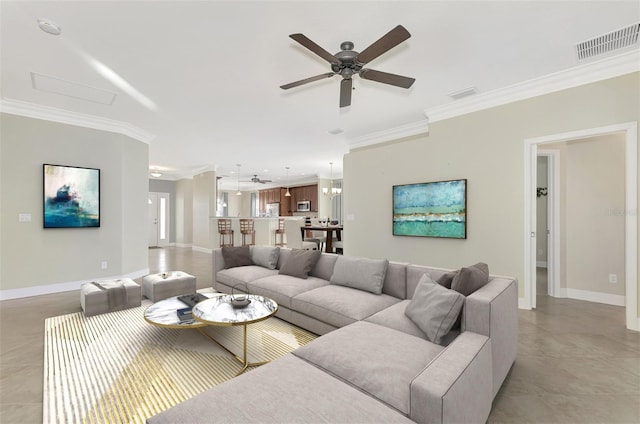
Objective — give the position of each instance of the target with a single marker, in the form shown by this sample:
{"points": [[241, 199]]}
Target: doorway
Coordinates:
{"points": [[629, 134], [159, 219]]}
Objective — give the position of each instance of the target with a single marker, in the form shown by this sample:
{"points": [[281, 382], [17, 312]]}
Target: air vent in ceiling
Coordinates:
{"points": [[607, 43]]}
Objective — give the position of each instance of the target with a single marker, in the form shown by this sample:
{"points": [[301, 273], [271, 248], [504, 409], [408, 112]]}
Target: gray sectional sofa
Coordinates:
{"points": [[373, 363]]}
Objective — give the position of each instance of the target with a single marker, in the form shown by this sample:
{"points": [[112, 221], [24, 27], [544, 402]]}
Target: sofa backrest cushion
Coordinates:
{"points": [[300, 262], [236, 256], [324, 266], [360, 273], [415, 272], [266, 256], [395, 281], [434, 308]]}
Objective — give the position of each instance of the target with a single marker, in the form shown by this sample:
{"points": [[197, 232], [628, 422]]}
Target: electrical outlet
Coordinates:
{"points": [[104, 264], [24, 217], [613, 278]]}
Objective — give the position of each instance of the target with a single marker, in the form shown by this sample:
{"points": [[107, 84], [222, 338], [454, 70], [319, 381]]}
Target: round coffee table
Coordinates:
{"points": [[164, 313], [219, 311]]}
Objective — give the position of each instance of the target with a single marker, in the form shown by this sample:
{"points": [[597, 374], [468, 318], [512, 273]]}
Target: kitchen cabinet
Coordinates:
{"points": [[288, 204]]}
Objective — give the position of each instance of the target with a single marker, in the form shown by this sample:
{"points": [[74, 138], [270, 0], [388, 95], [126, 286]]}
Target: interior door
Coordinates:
{"points": [[159, 219]]}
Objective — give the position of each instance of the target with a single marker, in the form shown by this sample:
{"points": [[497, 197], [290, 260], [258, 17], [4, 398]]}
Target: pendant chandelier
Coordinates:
{"points": [[331, 191]]}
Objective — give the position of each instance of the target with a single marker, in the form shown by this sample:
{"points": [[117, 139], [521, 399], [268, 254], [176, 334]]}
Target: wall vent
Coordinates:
{"points": [[465, 92], [607, 43]]}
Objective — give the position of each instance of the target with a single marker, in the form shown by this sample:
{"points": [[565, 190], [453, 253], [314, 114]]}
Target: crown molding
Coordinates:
{"points": [[611, 67], [47, 113], [414, 128]]}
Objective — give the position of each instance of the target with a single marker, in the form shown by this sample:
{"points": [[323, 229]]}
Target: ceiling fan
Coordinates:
{"points": [[348, 62], [255, 179]]}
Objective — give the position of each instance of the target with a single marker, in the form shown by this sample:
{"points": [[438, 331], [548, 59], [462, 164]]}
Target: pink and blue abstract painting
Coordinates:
{"points": [[71, 197], [435, 209]]}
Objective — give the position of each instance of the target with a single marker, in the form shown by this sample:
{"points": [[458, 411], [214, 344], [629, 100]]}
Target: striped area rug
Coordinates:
{"points": [[117, 368]]}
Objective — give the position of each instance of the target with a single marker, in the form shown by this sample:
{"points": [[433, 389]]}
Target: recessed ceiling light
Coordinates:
{"points": [[49, 27], [336, 131]]}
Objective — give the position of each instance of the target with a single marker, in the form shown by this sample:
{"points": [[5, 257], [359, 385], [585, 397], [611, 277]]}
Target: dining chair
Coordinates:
{"points": [[294, 235], [319, 237], [247, 230], [225, 231], [280, 231]]}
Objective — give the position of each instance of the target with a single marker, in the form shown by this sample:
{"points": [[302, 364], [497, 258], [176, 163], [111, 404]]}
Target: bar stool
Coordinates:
{"points": [[246, 229], [280, 231], [224, 229]]}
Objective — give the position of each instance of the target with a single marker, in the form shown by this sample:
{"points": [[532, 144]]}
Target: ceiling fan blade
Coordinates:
{"points": [[384, 44], [345, 92], [302, 39], [307, 80], [386, 78]]}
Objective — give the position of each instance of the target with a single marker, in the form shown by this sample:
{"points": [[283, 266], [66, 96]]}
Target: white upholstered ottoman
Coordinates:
{"points": [[103, 296], [164, 285]]}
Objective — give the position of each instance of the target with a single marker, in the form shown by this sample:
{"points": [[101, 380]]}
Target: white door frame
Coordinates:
{"points": [[553, 221], [630, 129]]}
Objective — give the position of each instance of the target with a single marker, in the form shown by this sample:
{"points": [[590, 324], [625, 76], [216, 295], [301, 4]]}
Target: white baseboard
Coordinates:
{"points": [[590, 296], [183, 244], [61, 287], [201, 249], [524, 304]]}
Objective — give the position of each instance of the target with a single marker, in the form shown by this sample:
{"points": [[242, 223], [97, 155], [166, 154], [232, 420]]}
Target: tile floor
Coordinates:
{"points": [[576, 361]]}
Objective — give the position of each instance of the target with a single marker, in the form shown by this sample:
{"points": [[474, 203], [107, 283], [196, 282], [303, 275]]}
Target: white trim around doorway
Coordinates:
{"points": [[631, 215]]}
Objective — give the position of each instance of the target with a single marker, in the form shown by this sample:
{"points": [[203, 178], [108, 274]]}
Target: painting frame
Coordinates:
{"points": [[431, 209], [71, 196]]}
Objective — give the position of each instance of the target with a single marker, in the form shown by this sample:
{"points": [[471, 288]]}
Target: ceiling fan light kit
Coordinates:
{"points": [[348, 62]]}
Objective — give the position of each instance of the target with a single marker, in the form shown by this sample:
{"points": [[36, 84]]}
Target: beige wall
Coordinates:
{"points": [[32, 256], [487, 148], [541, 211], [204, 208], [184, 212], [595, 233]]}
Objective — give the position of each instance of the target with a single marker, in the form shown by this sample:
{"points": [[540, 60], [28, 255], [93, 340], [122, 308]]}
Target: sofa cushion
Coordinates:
{"points": [[288, 390], [378, 360], [339, 305], [434, 308], [300, 262], [471, 278], [394, 317], [266, 256], [360, 273], [282, 288], [324, 267], [236, 256], [242, 275]]}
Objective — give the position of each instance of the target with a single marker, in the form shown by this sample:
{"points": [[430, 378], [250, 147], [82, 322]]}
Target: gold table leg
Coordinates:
{"points": [[245, 363]]}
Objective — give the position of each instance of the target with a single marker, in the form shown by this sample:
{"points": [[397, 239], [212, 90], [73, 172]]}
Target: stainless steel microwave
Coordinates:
{"points": [[304, 206]]}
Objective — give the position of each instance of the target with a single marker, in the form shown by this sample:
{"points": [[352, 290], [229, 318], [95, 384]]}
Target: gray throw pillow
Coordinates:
{"points": [[300, 262], [360, 273], [471, 278], [446, 279], [266, 256], [236, 256], [434, 309]]}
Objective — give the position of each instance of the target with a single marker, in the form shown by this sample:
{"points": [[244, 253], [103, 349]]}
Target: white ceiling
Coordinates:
{"points": [[209, 71]]}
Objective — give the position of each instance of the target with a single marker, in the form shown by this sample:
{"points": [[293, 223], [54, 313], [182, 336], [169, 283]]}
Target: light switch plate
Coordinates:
{"points": [[24, 217]]}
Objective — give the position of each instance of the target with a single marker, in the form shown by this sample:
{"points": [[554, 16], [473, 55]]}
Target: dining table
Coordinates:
{"points": [[329, 229]]}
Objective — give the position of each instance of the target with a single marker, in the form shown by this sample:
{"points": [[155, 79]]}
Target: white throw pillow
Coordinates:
{"points": [[434, 309]]}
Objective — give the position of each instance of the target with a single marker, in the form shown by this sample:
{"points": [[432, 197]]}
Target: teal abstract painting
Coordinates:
{"points": [[71, 197], [435, 209]]}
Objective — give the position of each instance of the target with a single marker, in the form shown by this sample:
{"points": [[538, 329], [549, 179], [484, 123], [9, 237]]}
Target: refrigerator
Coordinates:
{"points": [[273, 209]]}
